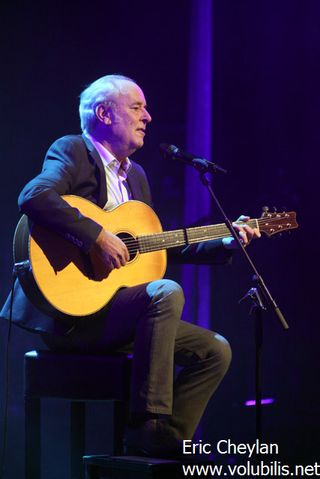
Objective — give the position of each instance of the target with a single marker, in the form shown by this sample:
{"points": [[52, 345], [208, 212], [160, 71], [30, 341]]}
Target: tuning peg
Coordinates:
{"points": [[265, 209], [274, 209], [284, 208]]}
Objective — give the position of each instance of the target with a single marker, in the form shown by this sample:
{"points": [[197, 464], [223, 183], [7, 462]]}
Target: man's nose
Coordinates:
{"points": [[146, 116]]}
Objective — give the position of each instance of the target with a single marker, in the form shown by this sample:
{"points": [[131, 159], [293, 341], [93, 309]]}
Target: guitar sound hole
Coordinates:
{"points": [[131, 243]]}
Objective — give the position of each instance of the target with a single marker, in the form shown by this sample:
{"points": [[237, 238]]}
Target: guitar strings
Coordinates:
{"points": [[146, 243], [218, 228]]}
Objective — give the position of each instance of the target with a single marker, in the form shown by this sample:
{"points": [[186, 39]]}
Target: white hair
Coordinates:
{"points": [[103, 91]]}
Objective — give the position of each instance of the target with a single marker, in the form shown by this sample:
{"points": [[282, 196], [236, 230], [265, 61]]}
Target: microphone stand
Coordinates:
{"points": [[257, 306]]}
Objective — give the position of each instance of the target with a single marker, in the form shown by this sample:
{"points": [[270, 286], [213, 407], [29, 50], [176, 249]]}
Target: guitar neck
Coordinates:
{"points": [[186, 236]]}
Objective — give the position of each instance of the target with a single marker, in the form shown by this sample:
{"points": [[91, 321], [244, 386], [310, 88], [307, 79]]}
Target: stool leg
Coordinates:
{"points": [[77, 438], [32, 438], [92, 472], [120, 419]]}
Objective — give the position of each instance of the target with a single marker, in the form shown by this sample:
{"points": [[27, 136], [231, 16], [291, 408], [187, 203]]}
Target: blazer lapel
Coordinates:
{"points": [[133, 182], [102, 196]]}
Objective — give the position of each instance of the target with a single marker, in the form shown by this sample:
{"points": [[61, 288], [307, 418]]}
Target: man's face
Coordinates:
{"points": [[129, 119]]}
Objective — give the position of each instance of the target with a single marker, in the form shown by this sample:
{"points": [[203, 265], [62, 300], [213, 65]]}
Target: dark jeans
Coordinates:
{"points": [[145, 320]]}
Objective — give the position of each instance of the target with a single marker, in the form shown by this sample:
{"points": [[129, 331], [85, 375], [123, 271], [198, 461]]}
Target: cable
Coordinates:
{"points": [[6, 384]]}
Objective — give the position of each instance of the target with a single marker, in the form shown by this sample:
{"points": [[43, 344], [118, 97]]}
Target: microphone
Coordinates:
{"points": [[201, 164]]}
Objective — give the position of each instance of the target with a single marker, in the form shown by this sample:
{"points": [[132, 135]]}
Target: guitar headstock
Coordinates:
{"points": [[273, 223]]}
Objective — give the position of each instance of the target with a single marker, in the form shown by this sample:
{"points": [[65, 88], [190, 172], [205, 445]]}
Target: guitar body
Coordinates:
{"points": [[63, 281]]}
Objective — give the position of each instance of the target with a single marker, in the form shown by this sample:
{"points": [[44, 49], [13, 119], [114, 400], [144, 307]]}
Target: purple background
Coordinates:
{"points": [[243, 90]]}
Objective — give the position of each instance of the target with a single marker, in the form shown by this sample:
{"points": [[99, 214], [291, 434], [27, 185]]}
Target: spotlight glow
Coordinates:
{"points": [[264, 402]]}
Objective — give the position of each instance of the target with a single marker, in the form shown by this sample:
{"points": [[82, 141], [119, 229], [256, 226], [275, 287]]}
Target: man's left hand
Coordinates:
{"points": [[245, 232]]}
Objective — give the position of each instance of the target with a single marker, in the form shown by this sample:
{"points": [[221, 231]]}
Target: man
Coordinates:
{"points": [[144, 318]]}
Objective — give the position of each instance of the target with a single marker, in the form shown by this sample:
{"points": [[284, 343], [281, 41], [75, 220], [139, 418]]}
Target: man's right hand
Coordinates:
{"points": [[111, 250]]}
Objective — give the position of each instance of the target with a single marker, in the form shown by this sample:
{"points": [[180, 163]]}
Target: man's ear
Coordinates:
{"points": [[103, 113]]}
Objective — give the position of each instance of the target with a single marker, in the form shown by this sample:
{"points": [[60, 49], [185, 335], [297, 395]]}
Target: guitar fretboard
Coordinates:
{"points": [[181, 237]]}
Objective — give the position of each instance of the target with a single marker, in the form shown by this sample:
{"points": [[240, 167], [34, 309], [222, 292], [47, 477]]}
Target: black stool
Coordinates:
{"points": [[77, 378], [132, 467]]}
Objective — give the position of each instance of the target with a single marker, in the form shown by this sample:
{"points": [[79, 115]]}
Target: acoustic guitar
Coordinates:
{"points": [[63, 281]]}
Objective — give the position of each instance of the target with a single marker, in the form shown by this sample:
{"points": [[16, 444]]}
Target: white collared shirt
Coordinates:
{"points": [[116, 175]]}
